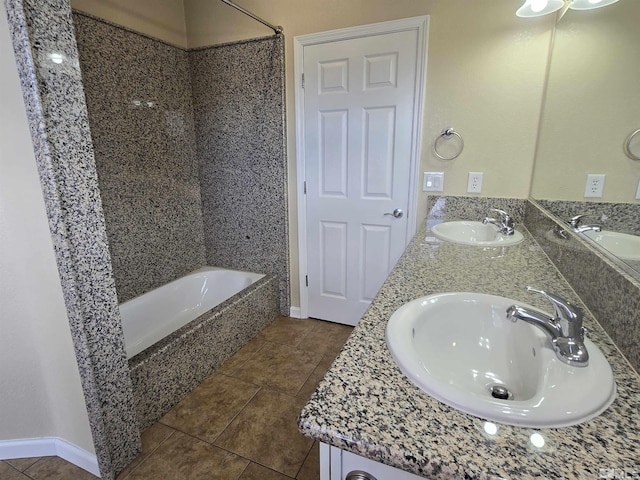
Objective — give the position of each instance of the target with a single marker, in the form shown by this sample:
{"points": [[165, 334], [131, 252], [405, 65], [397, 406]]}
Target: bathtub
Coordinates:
{"points": [[151, 317], [180, 333]]}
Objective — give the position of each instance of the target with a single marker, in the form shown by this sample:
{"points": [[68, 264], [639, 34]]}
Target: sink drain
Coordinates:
{"points": [[500, 392]]}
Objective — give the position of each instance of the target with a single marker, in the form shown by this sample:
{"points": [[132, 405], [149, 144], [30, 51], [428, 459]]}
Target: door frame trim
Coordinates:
{"points": [[421, 25]]}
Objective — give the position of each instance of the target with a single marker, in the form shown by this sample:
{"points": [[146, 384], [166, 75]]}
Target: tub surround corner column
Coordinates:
{"points": [[59, 126]]}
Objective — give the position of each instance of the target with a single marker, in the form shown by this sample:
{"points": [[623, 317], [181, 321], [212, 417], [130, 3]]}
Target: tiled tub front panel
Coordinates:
{"points": [[165, 372]]}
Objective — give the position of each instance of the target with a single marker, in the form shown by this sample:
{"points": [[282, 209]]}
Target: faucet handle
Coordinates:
{"points": [[568, 315]]}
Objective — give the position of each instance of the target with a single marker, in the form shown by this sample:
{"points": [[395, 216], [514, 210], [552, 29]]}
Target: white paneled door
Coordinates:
{"points": [[360, 121]]}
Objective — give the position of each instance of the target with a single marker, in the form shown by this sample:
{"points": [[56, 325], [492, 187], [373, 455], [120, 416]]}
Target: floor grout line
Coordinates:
{"points": [[305, 459], [151, 452], [34, 463], [253, 354], [236, 416], [12, 467]]}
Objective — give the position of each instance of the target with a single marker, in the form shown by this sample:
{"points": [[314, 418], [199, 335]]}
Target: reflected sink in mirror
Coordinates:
{"points": [[624, 246], [461, 349], [474, 233]]}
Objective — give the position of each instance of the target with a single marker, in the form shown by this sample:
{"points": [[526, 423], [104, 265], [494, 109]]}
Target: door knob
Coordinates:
{"points": [[396, 213]]}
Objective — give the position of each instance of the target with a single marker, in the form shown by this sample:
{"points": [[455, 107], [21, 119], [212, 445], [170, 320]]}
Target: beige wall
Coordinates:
{"points": [[591, 106], [163, 19], [485, 77], [40, 390]]}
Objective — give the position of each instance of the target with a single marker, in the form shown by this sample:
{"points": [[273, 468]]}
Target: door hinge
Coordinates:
{"points": [[303, 80], [306, 280], [305, 187]]}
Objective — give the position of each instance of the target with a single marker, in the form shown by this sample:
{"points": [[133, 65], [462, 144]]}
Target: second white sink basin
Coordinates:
{"points": [[474, 233], [622, 245], [460, 347]]}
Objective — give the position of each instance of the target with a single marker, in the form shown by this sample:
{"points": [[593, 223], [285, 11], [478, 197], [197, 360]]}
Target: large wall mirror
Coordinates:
{"points": [[591, 108]]}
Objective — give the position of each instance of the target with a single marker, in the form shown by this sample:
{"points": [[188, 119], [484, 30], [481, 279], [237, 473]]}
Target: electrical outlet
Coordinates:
{"points": [[595, 185], [474, 183], [433, 182]]}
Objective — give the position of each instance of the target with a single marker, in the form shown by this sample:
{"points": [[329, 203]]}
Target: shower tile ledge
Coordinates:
{"points": [[366, 406]]}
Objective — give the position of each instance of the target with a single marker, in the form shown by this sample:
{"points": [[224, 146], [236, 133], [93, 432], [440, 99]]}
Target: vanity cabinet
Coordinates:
{"points": [[336, 464]]}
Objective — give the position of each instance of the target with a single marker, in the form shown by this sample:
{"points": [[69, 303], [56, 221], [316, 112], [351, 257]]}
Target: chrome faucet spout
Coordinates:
{"points": [[534, 317], [492, 221], [564, 330], [505, 223]]}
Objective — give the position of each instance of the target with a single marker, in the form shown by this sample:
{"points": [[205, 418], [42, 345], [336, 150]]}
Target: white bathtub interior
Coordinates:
{"points": [[154, 315]]}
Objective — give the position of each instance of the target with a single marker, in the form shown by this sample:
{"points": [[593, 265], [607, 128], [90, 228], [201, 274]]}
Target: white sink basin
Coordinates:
{"points": [[457, 346], [474, 233], [622, 245]]}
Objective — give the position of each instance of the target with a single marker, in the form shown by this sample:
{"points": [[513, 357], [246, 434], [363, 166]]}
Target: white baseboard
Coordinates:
{"points": [[48, 447], [295, 312]]}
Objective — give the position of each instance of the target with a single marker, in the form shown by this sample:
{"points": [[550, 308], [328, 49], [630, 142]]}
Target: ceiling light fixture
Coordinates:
{"points": [[589, 4], [537, 8]]}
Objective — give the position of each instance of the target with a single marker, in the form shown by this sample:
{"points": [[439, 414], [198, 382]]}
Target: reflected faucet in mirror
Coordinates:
{"points": [[576, 223]]}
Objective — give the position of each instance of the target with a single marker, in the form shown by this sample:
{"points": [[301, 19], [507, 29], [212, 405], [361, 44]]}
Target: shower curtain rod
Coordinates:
{"points": [[276, 29]]}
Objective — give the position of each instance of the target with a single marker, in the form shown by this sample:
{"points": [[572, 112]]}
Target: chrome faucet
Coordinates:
{"points": [[564, 329], [504, 223], [576, 224]]}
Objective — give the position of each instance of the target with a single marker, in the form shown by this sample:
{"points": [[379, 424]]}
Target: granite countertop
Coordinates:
{"points": [[365, 404]]}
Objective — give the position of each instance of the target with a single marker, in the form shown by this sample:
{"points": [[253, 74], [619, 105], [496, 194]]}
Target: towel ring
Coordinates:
{"points": [[448, 133], [627, 146]]}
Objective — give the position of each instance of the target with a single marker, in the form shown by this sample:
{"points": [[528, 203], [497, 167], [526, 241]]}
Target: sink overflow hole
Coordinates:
{"points": [[500, 392]]}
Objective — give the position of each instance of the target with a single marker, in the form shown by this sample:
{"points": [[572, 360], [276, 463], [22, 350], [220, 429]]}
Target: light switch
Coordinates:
{"points": [[433, 182]]}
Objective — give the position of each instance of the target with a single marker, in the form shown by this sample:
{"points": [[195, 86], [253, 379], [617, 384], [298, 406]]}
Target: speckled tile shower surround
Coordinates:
{"points": [[238, 100], [59, 125], [167, 371], [365, 404], [610, 292], [138, 94], [157, 186]]}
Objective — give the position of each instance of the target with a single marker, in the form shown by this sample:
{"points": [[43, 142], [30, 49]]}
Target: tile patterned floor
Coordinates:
{"points": [[239, 424]]}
